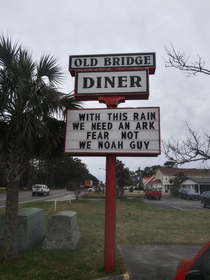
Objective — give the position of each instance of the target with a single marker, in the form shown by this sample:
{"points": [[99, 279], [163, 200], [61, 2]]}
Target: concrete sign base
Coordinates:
{"points": [[31, 227], [62, 232]]}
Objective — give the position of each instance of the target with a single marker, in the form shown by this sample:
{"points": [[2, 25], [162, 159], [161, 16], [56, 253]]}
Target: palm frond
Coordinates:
{"points": [[48, 67]]}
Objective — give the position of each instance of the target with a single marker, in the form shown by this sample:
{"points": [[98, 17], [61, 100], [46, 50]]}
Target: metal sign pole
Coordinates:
{"points": [[110, 214], [110, 204]]}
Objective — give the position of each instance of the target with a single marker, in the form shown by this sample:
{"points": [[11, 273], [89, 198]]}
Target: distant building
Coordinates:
{"points": [[200, 185], [147, 180], [200, 178]]}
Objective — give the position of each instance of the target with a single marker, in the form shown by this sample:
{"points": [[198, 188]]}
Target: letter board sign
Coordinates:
{"points": [[122, 132], [91, 84], [113, 61]]}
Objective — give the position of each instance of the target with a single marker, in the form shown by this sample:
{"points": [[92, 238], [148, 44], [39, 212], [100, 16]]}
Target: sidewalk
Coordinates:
{"points": [[152, 262]]}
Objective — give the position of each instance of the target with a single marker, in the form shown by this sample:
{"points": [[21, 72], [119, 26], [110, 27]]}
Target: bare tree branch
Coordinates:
{"points": [[180, 61], [194, 148]]}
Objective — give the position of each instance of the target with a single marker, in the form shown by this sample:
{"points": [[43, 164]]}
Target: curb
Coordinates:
{"points": [[125, 276]]}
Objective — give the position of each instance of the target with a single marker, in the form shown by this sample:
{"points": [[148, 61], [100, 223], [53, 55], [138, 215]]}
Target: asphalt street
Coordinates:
{"points": [[26, 196]]}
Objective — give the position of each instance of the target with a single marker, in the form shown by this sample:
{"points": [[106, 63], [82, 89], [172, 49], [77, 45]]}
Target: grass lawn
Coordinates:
{"points": [[137, 223]]}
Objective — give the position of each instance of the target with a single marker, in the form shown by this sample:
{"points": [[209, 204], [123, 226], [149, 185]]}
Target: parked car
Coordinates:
{"points": [[205, 199], [153, 193], [188, 194], [196, 268], [40, 190]]}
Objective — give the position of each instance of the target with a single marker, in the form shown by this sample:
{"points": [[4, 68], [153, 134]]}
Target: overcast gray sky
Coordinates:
{"points": [[81, 27]]}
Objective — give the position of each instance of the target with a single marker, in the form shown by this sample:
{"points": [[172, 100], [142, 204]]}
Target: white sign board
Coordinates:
{"points": [[111, 82], [133, 60], [123, 132]]}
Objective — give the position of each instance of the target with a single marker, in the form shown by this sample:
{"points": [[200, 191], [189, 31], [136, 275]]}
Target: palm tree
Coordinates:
{"points": [[29, 106]]}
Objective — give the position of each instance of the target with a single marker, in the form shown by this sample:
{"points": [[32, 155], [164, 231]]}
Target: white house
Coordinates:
{"points": [[200, 185]]}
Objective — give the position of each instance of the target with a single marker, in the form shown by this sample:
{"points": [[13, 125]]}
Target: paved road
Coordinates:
{"points": [[26, 196], [168, 203]]}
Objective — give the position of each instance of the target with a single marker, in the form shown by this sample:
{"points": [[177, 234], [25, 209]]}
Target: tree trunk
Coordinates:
{"points": [[10, 238], [13, 171]]}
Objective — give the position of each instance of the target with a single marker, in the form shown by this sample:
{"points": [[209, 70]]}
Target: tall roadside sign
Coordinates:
{"points": [[112, 132]]}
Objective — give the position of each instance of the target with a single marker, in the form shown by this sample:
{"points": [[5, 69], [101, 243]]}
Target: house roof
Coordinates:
{"points": [[187, 171], [148, 179], [199, 180]]}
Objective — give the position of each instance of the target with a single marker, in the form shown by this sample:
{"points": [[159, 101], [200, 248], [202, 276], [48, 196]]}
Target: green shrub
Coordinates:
{"points": [[175, 191]]}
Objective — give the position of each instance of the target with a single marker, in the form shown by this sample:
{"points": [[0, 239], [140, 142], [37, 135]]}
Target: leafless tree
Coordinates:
{"points": [[181, 61], [195, 147]]}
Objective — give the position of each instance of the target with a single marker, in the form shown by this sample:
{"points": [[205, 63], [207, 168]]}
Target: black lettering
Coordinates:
{"points": [[116, 61], [151, 125], [85, 144], [101, 126], [100, 144], [144, 125], [107, 61], [88, 82], [135, 116], [98, 82], [106, 135], [138, 125], [78, 62], [109, 116], [120, 145], [143, 117], [138, 60], [113, 145], [109, 81], [147, 59], [139, 145], [85, 62], [153, 116], [146, 144], [132, 145], [125, 116], [97, 117], [129, 135], [135, 81], [106, 145], [130, 60], [110, 145], [94, 135], [81, 117], [93, 62], [77, 126], [122, 60], [122, 81], [125, 125]]}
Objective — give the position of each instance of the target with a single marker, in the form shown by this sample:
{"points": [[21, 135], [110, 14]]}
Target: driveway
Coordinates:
{"points": [[168, 203]]}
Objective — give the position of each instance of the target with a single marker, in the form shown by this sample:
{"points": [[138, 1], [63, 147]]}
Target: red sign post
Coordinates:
{"points": [[112, 79]]}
